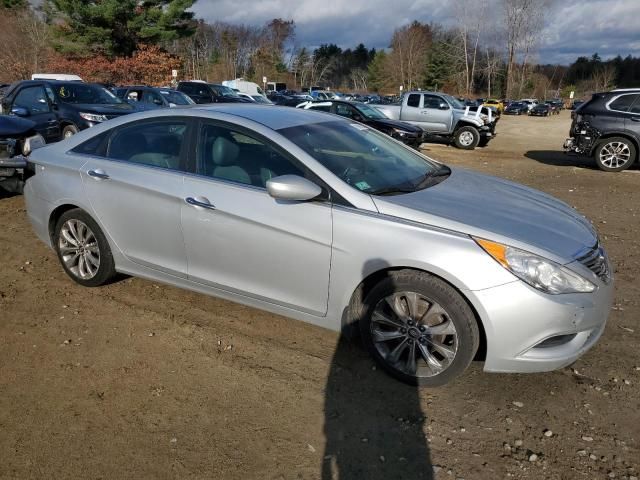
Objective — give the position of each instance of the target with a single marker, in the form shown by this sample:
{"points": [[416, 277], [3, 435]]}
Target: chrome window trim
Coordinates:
{"points": [[637, 94]]}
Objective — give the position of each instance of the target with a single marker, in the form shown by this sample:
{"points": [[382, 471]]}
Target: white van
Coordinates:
{"points": [[243, 86], [56, 76]]}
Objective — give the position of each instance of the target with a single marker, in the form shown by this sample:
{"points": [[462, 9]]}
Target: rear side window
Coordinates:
{"points": [[322, 108], [635, 108], [413, 100], [158, 143], [623, 103]]}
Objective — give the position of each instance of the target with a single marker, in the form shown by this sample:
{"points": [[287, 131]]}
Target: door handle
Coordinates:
{"points": [[52, 122], [98, 174], [197, 203], [424, 112]]}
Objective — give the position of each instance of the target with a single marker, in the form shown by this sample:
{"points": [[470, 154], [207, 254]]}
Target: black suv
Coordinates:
{"points": [[607, 127], [201, 92], [153, 97], [60, 109]]}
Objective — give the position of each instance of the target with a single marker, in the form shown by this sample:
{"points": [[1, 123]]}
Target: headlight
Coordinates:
{"points": [[540, 273], [31, 143], [92, 117], [402, 133]]}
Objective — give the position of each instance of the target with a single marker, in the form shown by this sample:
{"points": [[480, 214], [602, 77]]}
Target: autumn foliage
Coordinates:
{"points": [[149, 65]]}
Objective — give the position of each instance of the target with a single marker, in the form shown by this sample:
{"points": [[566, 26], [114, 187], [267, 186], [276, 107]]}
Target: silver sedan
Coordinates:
{"points": [[324, 220]]}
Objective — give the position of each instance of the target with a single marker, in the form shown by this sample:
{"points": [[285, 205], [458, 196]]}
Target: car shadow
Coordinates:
{"points": [[559, 158], [373, 423]]}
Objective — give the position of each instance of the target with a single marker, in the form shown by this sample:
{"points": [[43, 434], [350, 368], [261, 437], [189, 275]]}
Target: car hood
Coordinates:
{"points": [[497, 209], [407, 127], [11, 126], [118, 109]]}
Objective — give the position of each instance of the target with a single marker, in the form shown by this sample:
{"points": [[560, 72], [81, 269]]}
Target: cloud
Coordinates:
{"points": [[573, 28]]}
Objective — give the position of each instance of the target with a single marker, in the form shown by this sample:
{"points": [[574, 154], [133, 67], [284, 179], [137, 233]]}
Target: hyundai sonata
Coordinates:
{"points": [[325, 220]]}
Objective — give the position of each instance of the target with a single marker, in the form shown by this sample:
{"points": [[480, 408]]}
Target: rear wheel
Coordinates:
{"points": [[615, 154], [419, 329], [466, 138], [83, 249]]}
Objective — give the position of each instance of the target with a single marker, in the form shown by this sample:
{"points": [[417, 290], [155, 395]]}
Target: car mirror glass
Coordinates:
{"points": [[20, 111]]}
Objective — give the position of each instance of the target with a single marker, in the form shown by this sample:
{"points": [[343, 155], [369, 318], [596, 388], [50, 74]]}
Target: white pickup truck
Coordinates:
{"points": [[441, 115]]}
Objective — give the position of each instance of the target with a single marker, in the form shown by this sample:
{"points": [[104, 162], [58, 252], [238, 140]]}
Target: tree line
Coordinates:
{"points": [[490, 49]]}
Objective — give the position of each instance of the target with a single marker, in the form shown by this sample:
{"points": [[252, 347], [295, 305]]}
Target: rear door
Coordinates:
{"points": [[136, 190], [34, 100], [412, 110]]}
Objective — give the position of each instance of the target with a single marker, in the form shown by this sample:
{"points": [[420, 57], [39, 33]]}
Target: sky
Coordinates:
{"points": [[573, 27]]}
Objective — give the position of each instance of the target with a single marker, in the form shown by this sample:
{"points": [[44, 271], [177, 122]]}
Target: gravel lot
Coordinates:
{"points": [[139, 380]]}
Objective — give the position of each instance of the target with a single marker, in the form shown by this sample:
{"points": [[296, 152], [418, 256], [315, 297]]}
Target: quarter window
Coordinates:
{"points": [[33, 99], [623, 103], [234, 156], [157, 143], [413, 100]]}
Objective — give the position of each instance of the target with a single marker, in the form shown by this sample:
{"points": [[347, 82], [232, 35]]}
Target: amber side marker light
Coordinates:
{"points": [[496, 250]]}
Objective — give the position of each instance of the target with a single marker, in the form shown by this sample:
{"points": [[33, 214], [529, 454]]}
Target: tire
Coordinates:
{"points": [[94, 266], [615, 154], [69, 131], [466, 138], [432, 304]]}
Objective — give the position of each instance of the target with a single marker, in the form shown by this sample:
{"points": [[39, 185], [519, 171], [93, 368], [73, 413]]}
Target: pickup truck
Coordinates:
{"points": [[443, 116]]}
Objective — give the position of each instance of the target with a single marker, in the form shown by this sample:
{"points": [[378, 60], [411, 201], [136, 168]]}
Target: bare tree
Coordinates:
{"points": [[471, 19], [24, 39], [604, 77], [409, 46]]}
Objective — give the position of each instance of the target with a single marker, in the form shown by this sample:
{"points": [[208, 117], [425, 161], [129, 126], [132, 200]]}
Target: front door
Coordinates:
{"points": [[438, 113], [136, 191], [240, 239]]}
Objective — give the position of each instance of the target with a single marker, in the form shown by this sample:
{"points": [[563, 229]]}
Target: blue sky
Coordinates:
{"points": [[573, 27]]}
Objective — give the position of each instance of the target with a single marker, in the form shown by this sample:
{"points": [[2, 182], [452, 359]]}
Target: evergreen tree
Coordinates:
{"points": [[116, 27], [439, 66]]}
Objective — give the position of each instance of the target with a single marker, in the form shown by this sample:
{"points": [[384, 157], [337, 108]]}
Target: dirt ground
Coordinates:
{"points": [[139, 380]]}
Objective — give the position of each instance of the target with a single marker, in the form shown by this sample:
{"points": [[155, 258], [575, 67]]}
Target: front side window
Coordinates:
{"points": [[234, 156], [345, 110], [431, 101], [34, 99], [79, 93], [149, 96], [363, 158], [158, 143], [623, 103], [322, 108]]}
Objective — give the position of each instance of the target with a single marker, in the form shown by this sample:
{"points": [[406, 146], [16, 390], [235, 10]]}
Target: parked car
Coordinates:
{"points": [[443, 116], [492, 102], [331, 223], [553, 107], [363, 113], [323, 95], [158, 97], [61, 109], [607, 127], [540, 110], [202, 92], [290, 98], [257, 98], [516, 108], [18, 137]]}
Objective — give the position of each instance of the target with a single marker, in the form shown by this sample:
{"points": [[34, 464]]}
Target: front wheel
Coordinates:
{"points": [[69, 131], [466, 138], [83, 249], [615, 154], [419, 329]]}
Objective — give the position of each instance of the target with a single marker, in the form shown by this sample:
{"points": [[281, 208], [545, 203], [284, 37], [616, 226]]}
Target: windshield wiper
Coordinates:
{"points": [[391, 191], [430, 177]]}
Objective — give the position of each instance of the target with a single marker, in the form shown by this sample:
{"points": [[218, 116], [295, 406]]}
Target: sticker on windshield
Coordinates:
{"points": [[358, 126], [362, 185]]}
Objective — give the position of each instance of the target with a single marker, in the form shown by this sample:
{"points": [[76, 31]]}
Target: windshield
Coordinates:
{"points": [[85, 93], [454, 102], [363, 158], [260, 99], [370, 112], [224, 91], [177, 98]]}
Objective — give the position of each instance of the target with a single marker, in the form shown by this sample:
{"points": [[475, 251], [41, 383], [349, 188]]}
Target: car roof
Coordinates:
{"points": [[272, 117], [637, 89]]}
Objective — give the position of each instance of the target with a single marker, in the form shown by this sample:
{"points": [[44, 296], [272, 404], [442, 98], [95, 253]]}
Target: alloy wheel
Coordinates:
{"points": [[79, 249], [414, 334], [615, 154]]}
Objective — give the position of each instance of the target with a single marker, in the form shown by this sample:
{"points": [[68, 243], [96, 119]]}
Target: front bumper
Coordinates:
{"points": [[530, 331]]}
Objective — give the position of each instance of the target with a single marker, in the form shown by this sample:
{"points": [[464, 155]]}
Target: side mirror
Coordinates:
{"points": [[20, 111], [292, 187], [443, 106]]}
